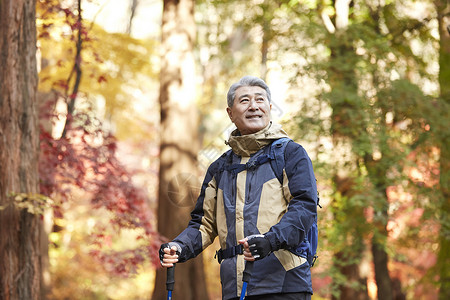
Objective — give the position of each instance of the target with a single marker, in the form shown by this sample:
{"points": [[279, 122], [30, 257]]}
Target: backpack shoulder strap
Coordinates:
{"points": [[223, 162], [277, 149]]}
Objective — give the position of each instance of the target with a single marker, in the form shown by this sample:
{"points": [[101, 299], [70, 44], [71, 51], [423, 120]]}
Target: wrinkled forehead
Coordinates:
{"points": [[250, 91]]}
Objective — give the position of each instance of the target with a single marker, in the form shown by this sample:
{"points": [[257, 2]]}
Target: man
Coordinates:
{"points": [[249, 206]]}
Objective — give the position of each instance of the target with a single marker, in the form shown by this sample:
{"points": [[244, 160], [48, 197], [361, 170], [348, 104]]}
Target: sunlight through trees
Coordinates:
{"points": [[111, 111]]}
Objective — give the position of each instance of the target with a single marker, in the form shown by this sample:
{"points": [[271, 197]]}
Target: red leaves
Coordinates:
{"points": [[68, 12], [101, 79], [123, 263], [43, 35], [86, 159]]}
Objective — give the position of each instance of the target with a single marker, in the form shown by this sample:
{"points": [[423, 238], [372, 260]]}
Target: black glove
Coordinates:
{"points": [[259, 246], [168, 245]]}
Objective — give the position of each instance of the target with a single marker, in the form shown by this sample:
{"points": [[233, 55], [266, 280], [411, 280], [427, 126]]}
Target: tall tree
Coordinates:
{"points": [[179, 142], [443, 13], [363, 105], [19, 229], [368, 114], [347, 107]]}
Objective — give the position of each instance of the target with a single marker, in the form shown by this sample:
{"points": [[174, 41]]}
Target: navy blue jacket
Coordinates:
{"points": [[255, 202]]}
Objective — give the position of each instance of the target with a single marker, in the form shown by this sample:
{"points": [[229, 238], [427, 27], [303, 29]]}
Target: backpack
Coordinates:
{"points": [[308, 247]]}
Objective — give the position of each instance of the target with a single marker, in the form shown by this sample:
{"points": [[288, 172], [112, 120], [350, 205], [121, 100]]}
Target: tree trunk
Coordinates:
{"points": [[380, 256], [351, 272], [378, 177], [348, 115], [348, 260], [19, 144], [178, 186], [344, 86], [443, 9], [382, 278]]}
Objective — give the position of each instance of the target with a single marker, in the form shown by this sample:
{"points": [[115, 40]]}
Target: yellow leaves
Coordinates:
{"points": [[34, 203], [119, 73]]}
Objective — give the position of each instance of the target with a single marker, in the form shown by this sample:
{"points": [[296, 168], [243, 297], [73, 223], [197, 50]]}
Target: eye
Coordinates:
{"points": [[244, 100], [261, 99]]}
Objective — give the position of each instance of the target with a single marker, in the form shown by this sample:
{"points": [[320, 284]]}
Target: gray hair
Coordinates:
{"points": [[246, 81]]}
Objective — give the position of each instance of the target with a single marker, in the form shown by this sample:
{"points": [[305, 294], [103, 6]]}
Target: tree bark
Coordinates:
{"points": [[382, 278], [379, 240], [178, 186], [443, 262], [19, 145]]}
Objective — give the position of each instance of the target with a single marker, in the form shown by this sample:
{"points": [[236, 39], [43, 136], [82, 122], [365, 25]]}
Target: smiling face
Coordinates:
{"points": [[251, 109]]}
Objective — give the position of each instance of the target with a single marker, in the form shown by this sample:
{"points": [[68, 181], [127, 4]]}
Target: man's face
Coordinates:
{"points": [[251, 109]]}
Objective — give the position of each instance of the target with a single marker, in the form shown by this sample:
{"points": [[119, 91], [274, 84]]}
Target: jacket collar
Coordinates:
{"points": [[246, 145]]}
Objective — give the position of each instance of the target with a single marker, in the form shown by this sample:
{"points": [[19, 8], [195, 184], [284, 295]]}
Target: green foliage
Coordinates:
{"points": [[369, 117], [342, 235]]}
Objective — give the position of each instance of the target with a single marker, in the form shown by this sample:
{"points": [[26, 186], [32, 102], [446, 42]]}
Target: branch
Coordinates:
{"points": [[77, 70], [327, 22], [133, 7]]}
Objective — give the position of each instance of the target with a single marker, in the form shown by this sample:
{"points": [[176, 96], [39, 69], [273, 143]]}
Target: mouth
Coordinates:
{"points": [[253, 117]]}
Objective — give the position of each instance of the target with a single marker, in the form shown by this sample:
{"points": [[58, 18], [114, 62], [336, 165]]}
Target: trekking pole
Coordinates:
{"points": [[246, 277], [170, 282]]}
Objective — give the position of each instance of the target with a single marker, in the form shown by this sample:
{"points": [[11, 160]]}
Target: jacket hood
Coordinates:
{"points": [[246, 145]]}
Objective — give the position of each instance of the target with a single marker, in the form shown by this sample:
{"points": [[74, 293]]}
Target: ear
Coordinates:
{"points": [[230, 114]]}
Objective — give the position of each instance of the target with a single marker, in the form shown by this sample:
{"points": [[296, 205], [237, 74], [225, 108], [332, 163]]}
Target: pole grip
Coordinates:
{"points": [[170, 282], [246, 277], [247, 271]]}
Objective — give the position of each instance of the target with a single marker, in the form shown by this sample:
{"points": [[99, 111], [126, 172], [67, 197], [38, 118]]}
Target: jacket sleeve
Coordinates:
{"points": [[202, 228], [302, 209]]}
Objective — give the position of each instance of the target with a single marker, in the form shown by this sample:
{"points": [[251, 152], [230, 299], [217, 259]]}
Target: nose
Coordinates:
{"points": [[253, 105]]}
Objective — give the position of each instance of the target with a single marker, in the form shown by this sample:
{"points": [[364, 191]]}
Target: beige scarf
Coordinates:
{"points": [[246, 145]]}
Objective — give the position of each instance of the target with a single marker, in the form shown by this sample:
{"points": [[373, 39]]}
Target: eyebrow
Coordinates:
{"points": [[248, 95]]}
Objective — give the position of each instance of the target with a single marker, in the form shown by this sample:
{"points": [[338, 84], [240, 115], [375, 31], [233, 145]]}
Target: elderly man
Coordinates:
{"points": [[259, 215]]}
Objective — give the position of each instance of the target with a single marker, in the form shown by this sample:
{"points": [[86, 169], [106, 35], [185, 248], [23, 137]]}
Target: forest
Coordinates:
{"points": [[111, 112]]}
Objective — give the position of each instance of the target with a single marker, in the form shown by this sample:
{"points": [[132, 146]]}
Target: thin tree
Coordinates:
{"points": [[443, 11], [19, 230], [133, 8], [178, 189]]}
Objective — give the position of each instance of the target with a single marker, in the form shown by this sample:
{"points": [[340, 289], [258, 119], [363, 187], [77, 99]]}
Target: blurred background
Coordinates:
{"points": [[132, 99]]}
